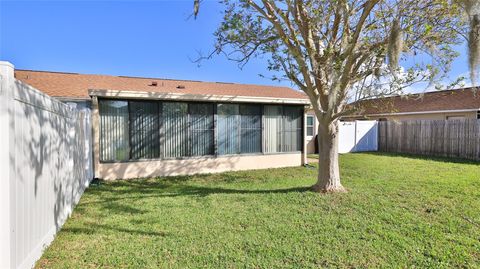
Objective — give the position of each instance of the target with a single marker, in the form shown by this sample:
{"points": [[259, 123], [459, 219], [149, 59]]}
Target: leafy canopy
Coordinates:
{"points": [[339, 50]]}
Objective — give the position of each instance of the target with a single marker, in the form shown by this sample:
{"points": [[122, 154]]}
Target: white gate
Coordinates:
{"points": [[358, 136]]}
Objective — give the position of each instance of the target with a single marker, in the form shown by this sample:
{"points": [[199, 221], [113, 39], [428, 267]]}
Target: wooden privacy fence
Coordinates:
{"points": [[447, 138]]}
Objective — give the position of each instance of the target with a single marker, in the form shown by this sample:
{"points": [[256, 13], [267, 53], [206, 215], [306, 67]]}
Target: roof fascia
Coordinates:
{"points": [[424, 112], [195, 97]]}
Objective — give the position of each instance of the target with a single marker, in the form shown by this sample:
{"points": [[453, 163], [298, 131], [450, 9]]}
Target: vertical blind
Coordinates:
{"points": [[250, 128], [228, 129], [272, 132], [202, 129], [144, 126], [283, 128], [292, 129], [114, 118], [175, 129], [148, 129]]}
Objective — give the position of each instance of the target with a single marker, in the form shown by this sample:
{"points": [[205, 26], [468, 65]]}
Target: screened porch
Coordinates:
{"points": [[135, 130]]}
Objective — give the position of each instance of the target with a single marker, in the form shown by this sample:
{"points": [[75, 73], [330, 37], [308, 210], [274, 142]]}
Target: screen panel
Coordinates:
{"points": [[144, 130], [201, 129], [228, 129], [114, 130], [250, 128], [175, 129]]}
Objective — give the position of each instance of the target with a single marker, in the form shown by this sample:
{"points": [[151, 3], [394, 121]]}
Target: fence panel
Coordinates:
{"points": [[50, 156], [446, 138], [358, 136], [366, 136], [346, 136]]}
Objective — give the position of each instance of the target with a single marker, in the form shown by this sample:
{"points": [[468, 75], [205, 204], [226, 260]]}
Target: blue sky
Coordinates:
{"points": [[150, 39]]}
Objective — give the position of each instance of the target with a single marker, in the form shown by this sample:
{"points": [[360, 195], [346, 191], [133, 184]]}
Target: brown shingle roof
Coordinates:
{"points": [[467, 98], [77, 85]]}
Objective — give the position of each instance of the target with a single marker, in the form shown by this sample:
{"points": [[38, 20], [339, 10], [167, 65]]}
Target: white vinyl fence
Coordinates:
{"points": [[358, 136], [45, 161]]}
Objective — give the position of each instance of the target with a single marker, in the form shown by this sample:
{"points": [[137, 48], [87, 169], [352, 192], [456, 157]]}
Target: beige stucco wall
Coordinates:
{"points": [[186, 166], [203, 165]]}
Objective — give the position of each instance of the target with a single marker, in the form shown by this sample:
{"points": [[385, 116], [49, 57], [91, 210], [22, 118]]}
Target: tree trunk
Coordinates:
{"points": [[328, 169]]}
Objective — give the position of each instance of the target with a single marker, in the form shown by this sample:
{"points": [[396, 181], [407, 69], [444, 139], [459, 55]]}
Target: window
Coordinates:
{"points": [[144, 130], [202, 132], [250, 128], [283, 128], [228, 129], [272, 132], [175, 129], [114, 140], [239, 129], [292, 129], [310, 125], [133, 130]]}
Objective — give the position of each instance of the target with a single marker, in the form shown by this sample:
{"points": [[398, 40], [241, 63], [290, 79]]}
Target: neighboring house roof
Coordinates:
{"points": [[459, 99], [73, 85]]}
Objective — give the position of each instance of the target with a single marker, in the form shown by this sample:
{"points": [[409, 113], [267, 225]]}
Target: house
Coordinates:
{"points": [[146, 127], [438, 105]]}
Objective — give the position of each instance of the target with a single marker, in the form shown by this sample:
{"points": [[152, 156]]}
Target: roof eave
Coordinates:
{"points": [[417, 112], [70, 98], [194, 97]]}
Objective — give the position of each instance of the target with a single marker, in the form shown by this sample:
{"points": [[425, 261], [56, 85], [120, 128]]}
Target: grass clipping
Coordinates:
{"points": [[395, 45]]}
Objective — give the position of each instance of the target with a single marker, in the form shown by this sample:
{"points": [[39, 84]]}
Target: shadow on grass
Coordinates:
{"points": [[121, 203], [118, 197], [101, 228], [137, 191]]}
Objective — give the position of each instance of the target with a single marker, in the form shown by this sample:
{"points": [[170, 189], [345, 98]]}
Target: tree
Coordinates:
{"points": [[472, 13], [337, 51]]}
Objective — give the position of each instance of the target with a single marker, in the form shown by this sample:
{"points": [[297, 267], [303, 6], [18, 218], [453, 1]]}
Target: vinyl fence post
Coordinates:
{"points": [[7, 161]]}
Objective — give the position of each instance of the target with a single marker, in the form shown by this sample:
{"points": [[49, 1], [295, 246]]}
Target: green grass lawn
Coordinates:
{"points": [[400, 212]]}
